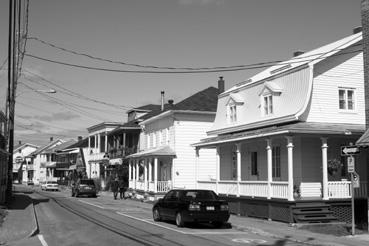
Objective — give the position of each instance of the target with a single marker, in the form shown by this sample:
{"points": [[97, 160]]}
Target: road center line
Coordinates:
{"points": [[92, 204], [42, 240]]}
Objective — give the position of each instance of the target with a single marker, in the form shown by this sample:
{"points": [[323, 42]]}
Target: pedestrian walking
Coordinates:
{"points": [[114, 188], [122, 188]]}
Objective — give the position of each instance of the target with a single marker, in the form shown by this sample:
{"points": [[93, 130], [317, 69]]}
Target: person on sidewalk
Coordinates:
{"points": [[122, 188], [114, 188]]}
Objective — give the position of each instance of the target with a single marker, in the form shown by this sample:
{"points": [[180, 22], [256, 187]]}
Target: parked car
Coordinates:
{"points": [[50, 185], [184, 206], [84, 187]]}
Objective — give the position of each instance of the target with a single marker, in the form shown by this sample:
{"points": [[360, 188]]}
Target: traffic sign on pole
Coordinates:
{"points": [[350, 150], [350, 164]]}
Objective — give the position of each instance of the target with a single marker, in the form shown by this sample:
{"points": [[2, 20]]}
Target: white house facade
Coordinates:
{"points": [[278, 134]]}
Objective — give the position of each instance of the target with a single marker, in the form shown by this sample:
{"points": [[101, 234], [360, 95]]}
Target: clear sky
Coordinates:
{"points": [[173, 33]]}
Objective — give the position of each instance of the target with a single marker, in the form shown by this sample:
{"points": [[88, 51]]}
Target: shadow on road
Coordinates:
{"points": [[284, 241]]}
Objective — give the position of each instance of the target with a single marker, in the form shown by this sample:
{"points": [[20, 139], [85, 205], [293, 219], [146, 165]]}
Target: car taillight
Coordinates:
{"points": [[224, 207], [194, 207]]}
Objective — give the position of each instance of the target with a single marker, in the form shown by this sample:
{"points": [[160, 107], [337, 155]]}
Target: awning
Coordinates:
{"points": [[162, 151], [116, 161], [364, 139], [51, 164], [295, 128]]}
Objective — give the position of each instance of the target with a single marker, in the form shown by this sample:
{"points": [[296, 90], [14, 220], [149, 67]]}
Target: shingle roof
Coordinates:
{"points": [[46, 146], [205, 100]]}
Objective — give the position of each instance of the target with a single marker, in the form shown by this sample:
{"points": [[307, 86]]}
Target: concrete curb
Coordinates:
{"points": [[36, 228]]}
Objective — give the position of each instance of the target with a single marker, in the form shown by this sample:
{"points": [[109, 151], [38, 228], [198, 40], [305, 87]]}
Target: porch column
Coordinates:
{"points": [[89, 144], [124, 143], [269, 167], [155, 175], [129, 170], [145, 173], [238, 153], [98, 143], [290, 167], [95, 142], [217, 164], [325, 168], [137, 171], [150, 169], [197, 168], [106, 142]]}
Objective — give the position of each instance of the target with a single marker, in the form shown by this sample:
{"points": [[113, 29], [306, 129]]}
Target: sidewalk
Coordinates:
{"points": [[20, 223]]}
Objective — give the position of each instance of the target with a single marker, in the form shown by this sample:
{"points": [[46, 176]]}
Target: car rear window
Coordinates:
{"points": [[87, 182], [202, 194]]}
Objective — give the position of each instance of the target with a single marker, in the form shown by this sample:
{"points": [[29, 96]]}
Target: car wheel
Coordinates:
{"points": [[179, 220], [156, 214]]}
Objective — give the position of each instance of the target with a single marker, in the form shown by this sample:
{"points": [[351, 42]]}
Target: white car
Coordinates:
{"points": [[50, 185]]}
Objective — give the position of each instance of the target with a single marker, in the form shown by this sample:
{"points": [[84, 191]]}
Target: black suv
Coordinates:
{"points": [[84, 187]]}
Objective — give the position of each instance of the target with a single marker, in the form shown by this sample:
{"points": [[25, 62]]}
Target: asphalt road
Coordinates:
{"points": [[66, 220]]}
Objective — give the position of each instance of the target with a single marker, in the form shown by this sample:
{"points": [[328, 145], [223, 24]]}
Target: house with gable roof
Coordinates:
{"points": [[278, 136], [44, 160], [165, 158], [23, 170]]}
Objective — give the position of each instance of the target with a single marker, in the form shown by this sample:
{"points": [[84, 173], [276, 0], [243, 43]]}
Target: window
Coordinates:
{"points": [[276, 162], [148, 141], [167, 136], [154, 140], [268, 104], [346, 99], [232, 113], [254, 163]]}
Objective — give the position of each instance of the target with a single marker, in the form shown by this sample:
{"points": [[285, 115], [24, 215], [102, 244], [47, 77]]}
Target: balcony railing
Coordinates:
{"points": [[122, 152]]}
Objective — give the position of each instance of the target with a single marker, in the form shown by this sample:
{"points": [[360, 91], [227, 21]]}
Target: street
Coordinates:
{"points": [[66, 220]]}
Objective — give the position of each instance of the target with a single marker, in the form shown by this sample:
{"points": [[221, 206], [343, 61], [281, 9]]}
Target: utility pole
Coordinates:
{"points": [[365, 28], [9, 111]]}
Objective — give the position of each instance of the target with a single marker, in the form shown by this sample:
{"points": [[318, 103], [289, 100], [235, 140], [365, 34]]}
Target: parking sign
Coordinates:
{"points": [[350, 164]]}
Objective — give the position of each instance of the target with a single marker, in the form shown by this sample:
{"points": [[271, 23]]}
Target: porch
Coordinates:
{"points": [[279, 189]]}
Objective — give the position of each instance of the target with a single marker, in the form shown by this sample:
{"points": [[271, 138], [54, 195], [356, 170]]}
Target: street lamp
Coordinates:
{"points": [[50, 91]]}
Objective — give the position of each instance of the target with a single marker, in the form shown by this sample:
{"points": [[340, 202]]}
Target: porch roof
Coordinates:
{"points": [[295, 128], [364, 139], [161, 151]]}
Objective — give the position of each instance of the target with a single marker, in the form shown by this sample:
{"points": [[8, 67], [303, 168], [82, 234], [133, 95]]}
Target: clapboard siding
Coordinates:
{"points": [[338, 71], [187, 133]]}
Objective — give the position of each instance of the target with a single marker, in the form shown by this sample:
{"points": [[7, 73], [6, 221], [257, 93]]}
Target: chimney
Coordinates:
{"points": [[221, 84], [51, 139], [20, 142], [365, 29], [357, 30], [79, 138], [298, 52], [162, 100], [170, 102]]}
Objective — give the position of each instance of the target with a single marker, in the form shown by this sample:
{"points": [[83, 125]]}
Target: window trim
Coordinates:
{"points": [[346, 90], [267, 104]]}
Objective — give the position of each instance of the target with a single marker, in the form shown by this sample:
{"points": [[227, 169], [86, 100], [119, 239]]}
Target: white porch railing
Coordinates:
{"points": [[164, 186], [339, 189], [253, 188], [207, 185], [151, 186], [131, 184], [279, 190], [140, 185], [227, 187]]}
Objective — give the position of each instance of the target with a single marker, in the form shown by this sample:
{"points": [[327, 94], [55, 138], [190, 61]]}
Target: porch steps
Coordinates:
{"points": [[313, 213]]}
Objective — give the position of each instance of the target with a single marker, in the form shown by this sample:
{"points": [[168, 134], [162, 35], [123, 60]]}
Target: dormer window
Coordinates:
{"points": [[268, 104], [267, 95], [233, 104]]}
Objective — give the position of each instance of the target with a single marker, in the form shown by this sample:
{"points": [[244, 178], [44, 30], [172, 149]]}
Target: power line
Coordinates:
{"points": [[251, 66], [152, 66]]}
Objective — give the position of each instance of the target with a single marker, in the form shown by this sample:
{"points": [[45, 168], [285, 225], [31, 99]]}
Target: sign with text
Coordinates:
{"points": [[350, 164], [349, 150]]}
